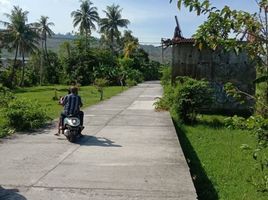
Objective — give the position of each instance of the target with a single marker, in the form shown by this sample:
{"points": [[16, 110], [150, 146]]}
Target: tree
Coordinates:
{"points": [[19, 36], [85, 18], [109, 25], [130, 43], [1, 42], [43, 27], [227, 28]]}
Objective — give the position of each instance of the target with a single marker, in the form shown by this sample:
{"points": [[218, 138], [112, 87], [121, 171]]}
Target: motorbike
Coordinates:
{"points": [[71, 128]]}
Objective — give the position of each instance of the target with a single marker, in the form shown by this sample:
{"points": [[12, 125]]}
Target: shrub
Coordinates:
{"points": [[131, 82], [166, 101], [166, 75], [151, 70], [24, 114], [190, 97], [100, 83], [5, 96], [258, 126], [134, 74]]}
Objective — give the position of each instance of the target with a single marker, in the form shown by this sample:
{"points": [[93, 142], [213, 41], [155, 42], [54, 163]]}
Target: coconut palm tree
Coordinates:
{"points": [[43, 28], [19, 36], [85, 18], [129, 48], [109, 25]]}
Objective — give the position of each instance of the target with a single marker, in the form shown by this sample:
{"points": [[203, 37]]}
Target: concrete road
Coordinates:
{"points": [[129, 152]]}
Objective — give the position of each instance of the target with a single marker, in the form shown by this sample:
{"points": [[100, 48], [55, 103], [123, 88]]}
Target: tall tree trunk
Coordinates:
{"points": [[86, 40], [23, 70], [112, 41], [46, 53], [41, 63], [12, 75], [266, 46]]}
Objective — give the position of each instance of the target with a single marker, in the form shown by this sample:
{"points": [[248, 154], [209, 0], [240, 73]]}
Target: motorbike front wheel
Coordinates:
{"points": [[71, 137]]}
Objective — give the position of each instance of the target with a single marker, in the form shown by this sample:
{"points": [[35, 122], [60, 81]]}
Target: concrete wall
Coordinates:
{"points": [[218, 67]]}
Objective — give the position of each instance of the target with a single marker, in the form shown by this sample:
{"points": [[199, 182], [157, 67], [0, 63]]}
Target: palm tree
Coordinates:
{"points": [[129, 48], [109, 25], [44, 30], [129, 43], [43, 27], [19, 36], [85, 18]]}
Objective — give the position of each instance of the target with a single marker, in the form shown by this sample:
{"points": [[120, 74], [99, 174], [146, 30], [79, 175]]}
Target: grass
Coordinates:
{"points": [[45, 94], [219, 167]]}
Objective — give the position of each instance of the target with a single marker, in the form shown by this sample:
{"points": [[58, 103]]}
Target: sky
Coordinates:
{"points": [[150, 20]]}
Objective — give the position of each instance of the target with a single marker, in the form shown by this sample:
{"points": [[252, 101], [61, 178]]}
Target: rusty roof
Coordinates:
{"points": [[183, 40], [176, 40]]}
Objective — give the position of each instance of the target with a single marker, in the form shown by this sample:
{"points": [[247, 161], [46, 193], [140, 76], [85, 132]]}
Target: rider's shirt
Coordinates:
{"points": [[72, 104]]}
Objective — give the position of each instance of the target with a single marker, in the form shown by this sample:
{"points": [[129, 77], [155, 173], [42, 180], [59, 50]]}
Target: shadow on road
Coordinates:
{"points": [[96, 141], [8, 194]]}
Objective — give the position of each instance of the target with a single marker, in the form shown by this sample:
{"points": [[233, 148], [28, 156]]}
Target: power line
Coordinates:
{"points": [[149, 42]]}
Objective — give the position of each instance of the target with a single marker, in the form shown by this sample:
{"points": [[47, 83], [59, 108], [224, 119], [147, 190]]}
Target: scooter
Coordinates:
{"points": [[71, 128]]}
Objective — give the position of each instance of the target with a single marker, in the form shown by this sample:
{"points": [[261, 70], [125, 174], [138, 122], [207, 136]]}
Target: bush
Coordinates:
{"points": [[151, 70], [258, 126], [5, 96], [166, 102], [134, 74], [166, 75], [131, 82], [24, 114], [190, 97], [100, 83]]}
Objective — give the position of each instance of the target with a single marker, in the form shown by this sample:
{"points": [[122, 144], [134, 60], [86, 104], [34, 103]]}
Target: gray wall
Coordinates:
{"points": [[218, 67]]}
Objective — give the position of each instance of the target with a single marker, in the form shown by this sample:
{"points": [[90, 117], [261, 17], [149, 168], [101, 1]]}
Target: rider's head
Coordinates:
{"points": [[74, 90]]}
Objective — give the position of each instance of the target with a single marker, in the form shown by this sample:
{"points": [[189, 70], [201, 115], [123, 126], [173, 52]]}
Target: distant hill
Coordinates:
{"points": [[155, 53]]}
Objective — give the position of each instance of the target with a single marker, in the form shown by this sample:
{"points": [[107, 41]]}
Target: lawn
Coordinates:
{"points": [[45, 96], [220, 168]]}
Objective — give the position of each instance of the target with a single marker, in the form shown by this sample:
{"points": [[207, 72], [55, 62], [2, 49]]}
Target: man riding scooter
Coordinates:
{"points": [[72, 104]]}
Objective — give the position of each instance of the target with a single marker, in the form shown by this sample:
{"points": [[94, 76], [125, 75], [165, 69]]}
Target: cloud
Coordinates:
{"points": [[5, 6]]}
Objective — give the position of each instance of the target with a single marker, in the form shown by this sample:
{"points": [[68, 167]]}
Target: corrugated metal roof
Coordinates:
{"points": [[183, 40]]}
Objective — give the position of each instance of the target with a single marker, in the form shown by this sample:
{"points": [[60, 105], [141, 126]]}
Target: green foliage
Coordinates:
{"points": [[190, 97], [167, 100], [166, 75], [109, 26], [234, 92], [226, 28], [53, 69], [85, 66], [235, 122], [100, 83], [151, 70], [131, 82], [185, 98], [135, 75], [86, 17], [258, 126], [5, 78], [21, 37], [127, 70], [24, 114], [5, 96], [220, 169], [5, 131]]}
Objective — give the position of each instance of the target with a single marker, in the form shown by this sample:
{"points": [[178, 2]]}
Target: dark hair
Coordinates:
{"points": [[74, 90]]}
